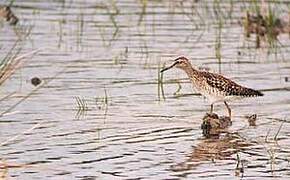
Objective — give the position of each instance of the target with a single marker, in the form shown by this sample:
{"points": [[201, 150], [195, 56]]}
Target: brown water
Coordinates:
{"points": [[108, 53]]}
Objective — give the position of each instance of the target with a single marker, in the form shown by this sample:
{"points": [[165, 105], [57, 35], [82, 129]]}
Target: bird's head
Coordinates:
{"points": [[180, 62]]}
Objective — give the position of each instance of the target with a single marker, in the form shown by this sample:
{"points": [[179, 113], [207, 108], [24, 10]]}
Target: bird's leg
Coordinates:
{"points": [[211, 108], [229, 109]]}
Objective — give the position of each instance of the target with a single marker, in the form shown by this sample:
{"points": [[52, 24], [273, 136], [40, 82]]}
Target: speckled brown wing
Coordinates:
{"points": [[227, 86]]}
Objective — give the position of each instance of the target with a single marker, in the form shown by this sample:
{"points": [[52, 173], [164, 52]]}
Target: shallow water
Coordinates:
{"points": [[108, 54]]}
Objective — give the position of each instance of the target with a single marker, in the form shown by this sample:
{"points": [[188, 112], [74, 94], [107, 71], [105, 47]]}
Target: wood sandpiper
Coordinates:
{"points": [[215, 87]]}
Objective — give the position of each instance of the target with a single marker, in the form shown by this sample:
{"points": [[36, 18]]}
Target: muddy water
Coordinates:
{"points": [[107, 54]]}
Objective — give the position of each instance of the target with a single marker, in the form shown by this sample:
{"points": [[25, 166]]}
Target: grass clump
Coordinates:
{"points": [[11, 62]]}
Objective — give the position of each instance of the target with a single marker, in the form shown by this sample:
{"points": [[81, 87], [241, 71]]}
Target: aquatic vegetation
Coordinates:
{"points": [[8, 15], [9, 64], [80, 29], [278, 131], [113, 18], [160, 89], [82, 107], [239, 171], [12, 62], [266, 26], [3, 143], [103, 101], [144, 5], [218, 44], [112, 11], [121, 57], [177, 92], [4, 165], [22, 99], [112, 51], [81, 104]]}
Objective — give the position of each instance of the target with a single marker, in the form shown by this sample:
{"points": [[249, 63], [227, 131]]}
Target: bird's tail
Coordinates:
{"points": [[248, 92]]}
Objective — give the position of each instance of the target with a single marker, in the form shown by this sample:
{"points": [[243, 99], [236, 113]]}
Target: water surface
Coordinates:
{"points": [[107, 53]]}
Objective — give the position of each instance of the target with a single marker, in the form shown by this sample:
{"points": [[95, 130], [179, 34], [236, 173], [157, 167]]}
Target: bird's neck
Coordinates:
{"points": [[191, 72]]}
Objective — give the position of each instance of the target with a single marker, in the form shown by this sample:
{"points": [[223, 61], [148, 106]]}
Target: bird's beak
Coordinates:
{"points": [[165, 69]]}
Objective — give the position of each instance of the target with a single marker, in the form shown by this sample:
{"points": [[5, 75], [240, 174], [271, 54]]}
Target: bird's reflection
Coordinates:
{"points": [[210, 149]]}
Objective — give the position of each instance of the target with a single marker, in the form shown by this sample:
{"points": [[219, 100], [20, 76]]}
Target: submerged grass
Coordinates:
{"points": [[177, 92], [5, 166], [81, 104], [271, 147], [9, 63], [12, 62], [82, 107], [113, 18], [273, 30], [280, 127], [160, 89], [106, 97], [218, 44], [121, 57], [103, 102], [263, 20], [11, 2], [30, 94], [112, 11], [142, 14], [80, 29], [28, 131], [239, 167]]}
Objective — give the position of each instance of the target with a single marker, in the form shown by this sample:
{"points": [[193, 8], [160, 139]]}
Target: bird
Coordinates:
{"points": [[215, 87]]}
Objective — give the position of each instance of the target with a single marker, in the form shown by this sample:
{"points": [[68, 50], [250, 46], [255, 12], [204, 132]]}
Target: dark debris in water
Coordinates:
{"points": [[35, 81], [8, 15], [266, 27], [213, 125], [252, 119], [262, 25]]}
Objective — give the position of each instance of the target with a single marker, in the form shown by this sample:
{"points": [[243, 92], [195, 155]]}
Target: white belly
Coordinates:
{"points": [[214, 97]]}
